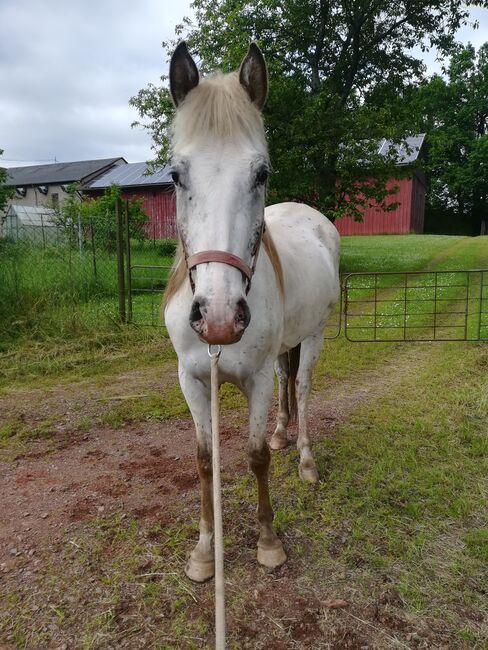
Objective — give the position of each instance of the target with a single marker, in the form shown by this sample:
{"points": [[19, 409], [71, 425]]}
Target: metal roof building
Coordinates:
{"points": [[131, 175], [407, 152], [155, 189], [38, 185], [81, 171]]}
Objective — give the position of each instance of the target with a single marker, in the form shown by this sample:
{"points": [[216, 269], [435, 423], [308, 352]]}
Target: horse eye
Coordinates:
{"points": [[262, 176], [176, 177]]}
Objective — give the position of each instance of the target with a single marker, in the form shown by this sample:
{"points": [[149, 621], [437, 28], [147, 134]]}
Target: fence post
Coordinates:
{"points": [[43, 233], [128, 262], [119, 219], [80, 235], [94, 257]]}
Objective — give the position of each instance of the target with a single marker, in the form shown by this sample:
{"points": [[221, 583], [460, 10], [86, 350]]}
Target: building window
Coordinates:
{"points": [[43, 189], [21, 191], [55, 200]]}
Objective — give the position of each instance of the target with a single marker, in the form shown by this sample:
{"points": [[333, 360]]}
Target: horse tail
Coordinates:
{"points": [[293, 363]]}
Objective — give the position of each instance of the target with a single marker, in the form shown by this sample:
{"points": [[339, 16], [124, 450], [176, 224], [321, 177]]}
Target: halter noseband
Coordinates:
{"points": [[225, 258]]}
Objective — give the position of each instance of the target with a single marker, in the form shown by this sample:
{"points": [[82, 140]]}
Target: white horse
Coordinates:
{"points": [[271, 307]]}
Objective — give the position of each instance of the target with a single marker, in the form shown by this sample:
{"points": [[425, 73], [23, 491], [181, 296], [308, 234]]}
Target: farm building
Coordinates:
{"points": [[32, 223], [156, 191], [408, 217], [38, 185]]}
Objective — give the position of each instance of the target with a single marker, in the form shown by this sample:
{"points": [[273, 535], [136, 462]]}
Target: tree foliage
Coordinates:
{"points": [[455, 113], [337, 70], [6, 192]]}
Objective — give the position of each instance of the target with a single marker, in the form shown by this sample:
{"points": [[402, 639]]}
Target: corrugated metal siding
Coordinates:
{"points": [[377, 222], [161, 208]]}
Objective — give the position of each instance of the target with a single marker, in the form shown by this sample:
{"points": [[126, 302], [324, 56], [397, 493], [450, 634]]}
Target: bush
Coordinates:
{"points": [[166, 247]]}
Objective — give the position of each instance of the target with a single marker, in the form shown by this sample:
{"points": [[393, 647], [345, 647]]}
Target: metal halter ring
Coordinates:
{"points": [[214, 355]]}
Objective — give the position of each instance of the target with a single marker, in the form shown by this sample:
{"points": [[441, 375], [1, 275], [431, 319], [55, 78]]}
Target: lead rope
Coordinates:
{"points": [[217, 503]]}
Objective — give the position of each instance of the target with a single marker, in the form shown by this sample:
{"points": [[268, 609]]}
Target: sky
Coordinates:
{"points": [[69, 67]]}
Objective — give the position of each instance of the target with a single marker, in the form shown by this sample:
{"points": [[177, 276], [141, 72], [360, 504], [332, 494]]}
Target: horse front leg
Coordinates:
{"points": [[259, 391], [200, 565]]}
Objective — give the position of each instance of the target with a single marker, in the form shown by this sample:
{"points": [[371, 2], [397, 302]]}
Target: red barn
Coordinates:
{"points": [[408, 217], [156, 191]]}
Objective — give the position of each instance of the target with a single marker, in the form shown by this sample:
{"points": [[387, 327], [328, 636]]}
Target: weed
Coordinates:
{"points": [[477, 543]]}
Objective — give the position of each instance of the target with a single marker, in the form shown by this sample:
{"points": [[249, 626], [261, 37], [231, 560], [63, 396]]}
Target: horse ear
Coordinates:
{"points": [[254, 76], [183, 74]]}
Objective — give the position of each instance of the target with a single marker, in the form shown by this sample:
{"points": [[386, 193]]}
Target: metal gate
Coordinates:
{"points": [[141, 280], [416, 306], [408, 306], [145, 293]]}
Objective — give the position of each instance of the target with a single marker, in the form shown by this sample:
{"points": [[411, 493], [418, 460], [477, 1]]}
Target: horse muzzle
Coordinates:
{"points": [[218, 323]]}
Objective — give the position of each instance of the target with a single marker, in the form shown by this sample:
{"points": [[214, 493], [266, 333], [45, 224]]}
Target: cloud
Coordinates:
{"points": [[67, 70]]}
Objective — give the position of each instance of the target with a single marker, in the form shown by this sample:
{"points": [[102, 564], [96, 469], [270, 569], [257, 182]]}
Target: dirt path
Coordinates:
{"points": [[59, 488], [139, 469]]}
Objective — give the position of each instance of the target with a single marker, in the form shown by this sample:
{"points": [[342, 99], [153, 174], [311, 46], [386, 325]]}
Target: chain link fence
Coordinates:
{"points": [[52, 273], [55, 275]]}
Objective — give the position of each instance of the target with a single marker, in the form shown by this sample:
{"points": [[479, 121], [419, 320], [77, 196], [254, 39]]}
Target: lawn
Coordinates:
{"points": [[396, 529]]}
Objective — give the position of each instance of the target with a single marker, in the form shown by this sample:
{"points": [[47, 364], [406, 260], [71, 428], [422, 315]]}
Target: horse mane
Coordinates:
{"points": [[180, 272], [218, 107]]}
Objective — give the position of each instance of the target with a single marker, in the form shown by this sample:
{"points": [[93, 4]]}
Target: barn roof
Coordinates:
{"points": [[407, 152], [131, 175], [57, 173]]}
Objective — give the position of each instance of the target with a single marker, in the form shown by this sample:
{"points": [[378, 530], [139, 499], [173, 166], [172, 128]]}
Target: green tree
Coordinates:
{"points": [[334, 68], [455, 113], [6, 192], [97, 216]]}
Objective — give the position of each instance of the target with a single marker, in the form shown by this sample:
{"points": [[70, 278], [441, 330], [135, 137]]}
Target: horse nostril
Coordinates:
{"points": [[198, 310], [243, 315]]}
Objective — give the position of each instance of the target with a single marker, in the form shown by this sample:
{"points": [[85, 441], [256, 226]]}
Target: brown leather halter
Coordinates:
{"points": [[223, 257]]}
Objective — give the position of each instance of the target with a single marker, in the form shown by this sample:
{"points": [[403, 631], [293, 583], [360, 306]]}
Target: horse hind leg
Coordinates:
{"points": [[286, 368], [279, 439], [310, 352]]}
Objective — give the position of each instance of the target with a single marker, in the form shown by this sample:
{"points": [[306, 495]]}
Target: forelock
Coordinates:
{"points": [[220, 109]]}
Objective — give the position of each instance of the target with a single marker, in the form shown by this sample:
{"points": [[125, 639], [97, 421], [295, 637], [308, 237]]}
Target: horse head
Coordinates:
{"points": [[219, 166]]}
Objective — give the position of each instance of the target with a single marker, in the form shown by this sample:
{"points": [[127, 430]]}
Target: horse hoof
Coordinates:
{"points": [[278, 441], [271, 557], [308, 473], [200, 571]]}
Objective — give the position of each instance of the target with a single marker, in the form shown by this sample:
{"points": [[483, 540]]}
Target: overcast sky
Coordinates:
{"points": [[68, 68]]}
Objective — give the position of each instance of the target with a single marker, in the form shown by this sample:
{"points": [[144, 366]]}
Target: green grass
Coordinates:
{"points": [[394, 252], [55, 339], [56, 290], [340, 358]]}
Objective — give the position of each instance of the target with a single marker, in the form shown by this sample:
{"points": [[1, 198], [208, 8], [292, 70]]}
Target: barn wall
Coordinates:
{"points": [[160, 205], [418, 205], [378, 222]]}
